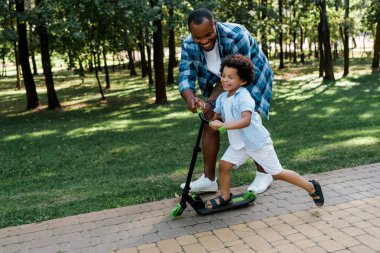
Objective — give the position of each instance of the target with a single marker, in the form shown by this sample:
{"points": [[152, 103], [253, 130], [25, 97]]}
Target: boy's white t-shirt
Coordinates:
{"points": [[234, 136], [213, 59]]}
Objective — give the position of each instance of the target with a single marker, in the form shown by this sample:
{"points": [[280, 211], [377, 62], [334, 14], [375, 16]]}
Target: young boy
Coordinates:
{"points": [[246, 134]]}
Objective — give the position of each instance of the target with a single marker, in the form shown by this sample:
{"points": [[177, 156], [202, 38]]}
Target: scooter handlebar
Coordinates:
{"points": [[202, 117]]}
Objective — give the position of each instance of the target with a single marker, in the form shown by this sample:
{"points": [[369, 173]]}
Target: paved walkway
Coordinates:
{"points": [[284, 219]]}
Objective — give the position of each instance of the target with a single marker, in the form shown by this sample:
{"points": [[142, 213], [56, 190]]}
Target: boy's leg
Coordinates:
{"points": [[230, 158], [294, 178], [225, 178], [312, 187]]}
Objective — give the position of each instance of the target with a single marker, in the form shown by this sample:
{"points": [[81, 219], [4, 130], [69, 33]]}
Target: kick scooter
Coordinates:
{"points": [[194, 200]]}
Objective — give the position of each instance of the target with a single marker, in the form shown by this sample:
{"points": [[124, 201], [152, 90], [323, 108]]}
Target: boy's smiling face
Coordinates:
{"points": [[231, 81]]}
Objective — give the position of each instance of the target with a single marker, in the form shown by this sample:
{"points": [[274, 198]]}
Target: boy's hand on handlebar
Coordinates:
{"points": [[216, 124]]}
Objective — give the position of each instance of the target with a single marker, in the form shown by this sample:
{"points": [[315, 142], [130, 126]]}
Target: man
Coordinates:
{"points": [[202, 53]]}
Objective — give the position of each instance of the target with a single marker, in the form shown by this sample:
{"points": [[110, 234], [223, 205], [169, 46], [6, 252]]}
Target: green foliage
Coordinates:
{"points": [[372, 15]]}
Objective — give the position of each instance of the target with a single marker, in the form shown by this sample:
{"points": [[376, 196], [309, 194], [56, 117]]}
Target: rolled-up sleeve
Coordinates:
{"points": [[246, 102]]}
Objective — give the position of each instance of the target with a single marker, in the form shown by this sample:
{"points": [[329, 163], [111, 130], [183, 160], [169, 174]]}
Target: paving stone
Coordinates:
{"points": [[289, 248], [361, 249], [244, 232], [256, 243], [186, 240], [331, 245], [149, 238], [194, 248], [370, 241], [303, 244], [269, 234], [238, 247], [127, 250], [169, 246], [211, 242]]}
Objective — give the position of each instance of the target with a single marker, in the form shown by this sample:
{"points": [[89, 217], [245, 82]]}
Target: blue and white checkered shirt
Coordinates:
{"points": [[255, 135], [232, 39]]}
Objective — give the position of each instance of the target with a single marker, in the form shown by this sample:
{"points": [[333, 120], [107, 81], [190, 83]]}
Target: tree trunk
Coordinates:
{"points": [[321, 51], [150, 74], [30, 87], [71, 63], [280, 37], [345, 41], [131, 64], [264, 40], [141, 45], [81, 69], [97, 57], [91, 63], [108, 83], [294, 33], [31, 45], [158, 59], [316, 55], [328, 63], [171, 46], [376, 55], [295, 47], [17, 62], [34, 64], [301, 46], [97, 78], [53, 102]]}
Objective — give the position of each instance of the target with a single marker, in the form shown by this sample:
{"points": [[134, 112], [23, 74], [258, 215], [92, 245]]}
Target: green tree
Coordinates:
{"points": [[30, 87], [158, 54], [372, 18], [41, 10], [324, 31]]}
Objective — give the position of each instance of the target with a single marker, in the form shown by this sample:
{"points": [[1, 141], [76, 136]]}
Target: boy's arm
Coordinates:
{"points": [[241, 123]]}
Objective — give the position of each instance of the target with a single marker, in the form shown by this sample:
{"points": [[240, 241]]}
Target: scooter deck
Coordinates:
{"points": [[236, 202]]}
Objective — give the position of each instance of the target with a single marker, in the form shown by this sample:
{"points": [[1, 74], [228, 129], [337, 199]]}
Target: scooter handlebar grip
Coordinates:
{"points": [[221, 130]]}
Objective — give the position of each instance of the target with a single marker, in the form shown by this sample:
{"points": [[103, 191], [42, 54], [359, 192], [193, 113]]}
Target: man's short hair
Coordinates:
{"points": [[198, 16]]}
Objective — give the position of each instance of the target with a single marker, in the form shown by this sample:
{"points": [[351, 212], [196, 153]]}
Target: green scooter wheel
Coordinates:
{"points": [[250, 195], [177, 211]]}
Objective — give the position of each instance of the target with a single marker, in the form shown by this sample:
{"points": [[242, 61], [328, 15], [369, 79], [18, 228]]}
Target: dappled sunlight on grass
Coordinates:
{"points": [[32, 135], [332, 148], [104, 127], [346, 83]]}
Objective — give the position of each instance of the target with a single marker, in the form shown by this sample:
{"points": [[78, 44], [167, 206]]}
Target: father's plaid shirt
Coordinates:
{"points": [[232, 39]]}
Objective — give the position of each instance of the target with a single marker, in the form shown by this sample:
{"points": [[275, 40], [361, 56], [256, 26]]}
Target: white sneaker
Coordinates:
{"points": [[202, 184], [261, 183]]}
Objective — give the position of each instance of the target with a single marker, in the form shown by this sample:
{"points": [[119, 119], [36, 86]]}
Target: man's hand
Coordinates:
{"points": [[208, 110], [191, 100]]}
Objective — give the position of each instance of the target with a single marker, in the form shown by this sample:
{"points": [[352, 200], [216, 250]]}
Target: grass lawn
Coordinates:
{"points": [[96, 155]]}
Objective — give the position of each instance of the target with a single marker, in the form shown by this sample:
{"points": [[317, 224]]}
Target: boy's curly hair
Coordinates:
{"points": [[242, 64]]}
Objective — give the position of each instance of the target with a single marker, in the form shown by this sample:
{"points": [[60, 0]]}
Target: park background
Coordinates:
{"points": [[91, 117]]}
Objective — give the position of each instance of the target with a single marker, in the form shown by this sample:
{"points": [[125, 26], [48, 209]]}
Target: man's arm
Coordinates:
{"points": [[187, 77], [190, 99]]}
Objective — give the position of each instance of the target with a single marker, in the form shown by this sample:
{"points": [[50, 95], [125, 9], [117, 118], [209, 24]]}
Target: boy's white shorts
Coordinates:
{"points": [[266, 157]]}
